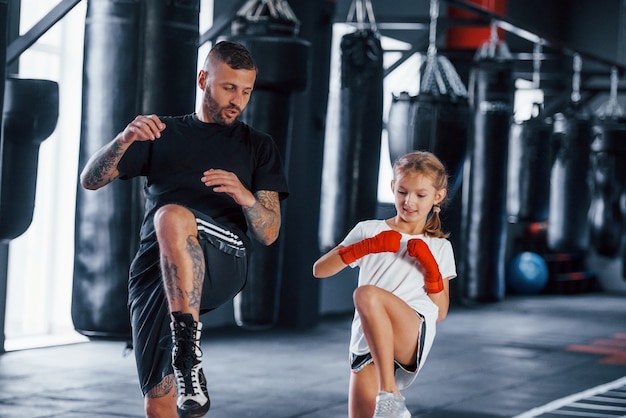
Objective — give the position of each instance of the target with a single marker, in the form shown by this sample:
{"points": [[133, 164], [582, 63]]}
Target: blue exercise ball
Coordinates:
{"points": [[528, 273]]}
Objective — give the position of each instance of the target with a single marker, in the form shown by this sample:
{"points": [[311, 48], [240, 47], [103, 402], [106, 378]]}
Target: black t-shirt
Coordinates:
{"points": [[173, 165]]}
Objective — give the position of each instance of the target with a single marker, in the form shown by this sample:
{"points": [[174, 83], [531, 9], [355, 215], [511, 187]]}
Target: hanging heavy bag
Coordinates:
{"points": [[283, 60], [569, 186], [360, 131], [441, 127], [400, 129], [106, 222], [491, 90], [435, 123], [29, 116], [606, 220], [352, 193], [569, 181], [528, 177], [436, 119]]}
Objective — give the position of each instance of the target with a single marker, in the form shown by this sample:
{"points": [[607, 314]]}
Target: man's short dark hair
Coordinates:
{"points": [[234, 54]]}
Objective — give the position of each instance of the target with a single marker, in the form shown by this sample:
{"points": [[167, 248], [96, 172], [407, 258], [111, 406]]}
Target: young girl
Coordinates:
{"points": [[405, 263]]}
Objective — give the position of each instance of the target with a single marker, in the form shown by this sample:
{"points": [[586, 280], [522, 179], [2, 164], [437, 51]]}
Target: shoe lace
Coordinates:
{"points": [[188, 354], [384, 408]]}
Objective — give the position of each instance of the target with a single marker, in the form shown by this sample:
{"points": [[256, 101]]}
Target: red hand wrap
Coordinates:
{"points": [[386, 241], [432, 276]]}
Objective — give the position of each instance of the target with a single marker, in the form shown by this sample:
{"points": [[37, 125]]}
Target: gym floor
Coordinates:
{"points": [[527, 356]]}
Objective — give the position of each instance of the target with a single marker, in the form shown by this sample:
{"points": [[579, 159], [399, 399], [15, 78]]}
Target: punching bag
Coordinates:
{"points": [[283, 69], [352, 193], [435, 120], [569, 190], [170, 56], [400, 125], [430, 122], [528, 179], [106, 225], [569, 177], [608, 177], [491, 96], [29, 116]]}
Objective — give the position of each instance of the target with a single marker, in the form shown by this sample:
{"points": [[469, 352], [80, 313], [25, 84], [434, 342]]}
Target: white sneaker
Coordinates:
{"points": [[390, 405]]}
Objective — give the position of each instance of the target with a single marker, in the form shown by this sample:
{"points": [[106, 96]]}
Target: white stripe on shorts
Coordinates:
{"points": [[221, 233]]}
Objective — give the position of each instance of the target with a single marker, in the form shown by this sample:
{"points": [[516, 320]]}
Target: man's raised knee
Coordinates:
{"points": [[173, 217]]}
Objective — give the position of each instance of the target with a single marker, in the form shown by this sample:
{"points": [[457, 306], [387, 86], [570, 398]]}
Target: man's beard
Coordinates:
{"points": [[215, 111]]}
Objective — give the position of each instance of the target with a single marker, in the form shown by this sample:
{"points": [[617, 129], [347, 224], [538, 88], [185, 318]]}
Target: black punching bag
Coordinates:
{"points": [[355, 157], [569, 177], [569, 185], [31, 110], [170, 56], [491, 96], [283, 65], [608, 177], [528, 178], [435, 120], [106, 227], [430, 122]]}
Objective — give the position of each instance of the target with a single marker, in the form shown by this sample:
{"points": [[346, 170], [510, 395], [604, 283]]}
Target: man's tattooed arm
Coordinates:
{"points": [[264, 217], [101, 169]]}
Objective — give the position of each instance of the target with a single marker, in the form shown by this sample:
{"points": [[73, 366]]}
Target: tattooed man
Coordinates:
{"points": [[210, 179]]}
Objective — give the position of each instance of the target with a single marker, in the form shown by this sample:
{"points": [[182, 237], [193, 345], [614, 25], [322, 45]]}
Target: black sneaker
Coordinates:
{"points": [[193, 397]]}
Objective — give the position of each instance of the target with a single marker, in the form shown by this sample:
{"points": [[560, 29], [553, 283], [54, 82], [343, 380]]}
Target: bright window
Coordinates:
{"points": [[41, 261]]}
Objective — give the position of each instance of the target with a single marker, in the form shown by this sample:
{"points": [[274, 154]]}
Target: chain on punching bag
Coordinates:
{"points": [[269, 31], [608, 149], [528, 176], [105, 236], [569, 190], [491, 94]]}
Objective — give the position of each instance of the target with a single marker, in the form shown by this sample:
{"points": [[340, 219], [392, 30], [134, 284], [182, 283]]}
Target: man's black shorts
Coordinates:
{"points": [[226, 255]]}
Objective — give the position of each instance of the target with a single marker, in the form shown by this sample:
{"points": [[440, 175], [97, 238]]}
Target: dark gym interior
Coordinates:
{"points": [[521, 99]]}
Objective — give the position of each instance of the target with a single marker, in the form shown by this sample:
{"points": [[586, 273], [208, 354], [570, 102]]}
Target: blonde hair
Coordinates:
{"points": [[427, 164]]}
